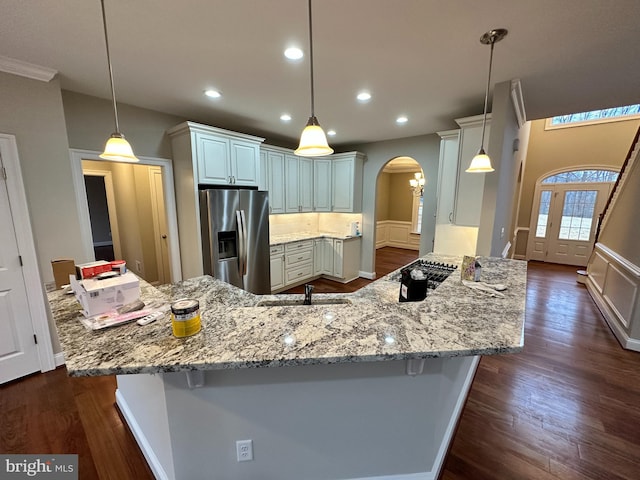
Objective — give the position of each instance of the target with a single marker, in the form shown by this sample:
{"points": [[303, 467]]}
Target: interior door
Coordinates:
{"points": [[563, 228], [160, 224], [18, 350]]}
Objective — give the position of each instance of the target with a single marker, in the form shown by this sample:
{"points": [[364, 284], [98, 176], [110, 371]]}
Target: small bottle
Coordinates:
{"points": [[477, 271], [357, 229]]}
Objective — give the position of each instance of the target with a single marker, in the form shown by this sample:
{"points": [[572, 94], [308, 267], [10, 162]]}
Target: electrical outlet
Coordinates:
{"points": [[502, 232], [244, 450], [139, 266]]}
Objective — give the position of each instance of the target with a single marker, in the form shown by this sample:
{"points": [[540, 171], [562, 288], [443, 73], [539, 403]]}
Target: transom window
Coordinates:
{"points": [[627, 112], [583, 176]]}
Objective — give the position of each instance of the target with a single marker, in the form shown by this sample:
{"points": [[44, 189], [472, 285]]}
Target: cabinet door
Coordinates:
{"points": [[213, 160], [277, 271], [305, 184], [338, 258], [447, 174], [327, 261], [291, 175], [318, 256], [321, 185], [275, 181], [245, 163], [342, 180]]}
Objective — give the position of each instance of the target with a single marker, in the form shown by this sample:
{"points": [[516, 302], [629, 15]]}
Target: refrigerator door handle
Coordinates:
{"points": [[241, 242], [245, 242]]}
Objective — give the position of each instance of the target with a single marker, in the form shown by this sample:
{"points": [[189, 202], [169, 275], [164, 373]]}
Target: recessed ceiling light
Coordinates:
{"points": [[363, 96], [402, 119], [211, 93], [293, 53], [285, 117], [331, 133]]}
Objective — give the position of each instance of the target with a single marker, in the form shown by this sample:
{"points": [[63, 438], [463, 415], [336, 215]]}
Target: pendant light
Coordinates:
{"points": [[481, 163], [117, 148], [313, 141]]}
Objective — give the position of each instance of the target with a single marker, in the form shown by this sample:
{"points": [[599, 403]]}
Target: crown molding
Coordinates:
{"points": [[26, 69]]}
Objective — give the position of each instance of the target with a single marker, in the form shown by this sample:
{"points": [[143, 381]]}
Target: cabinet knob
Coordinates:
{"points": [[450, 215]]}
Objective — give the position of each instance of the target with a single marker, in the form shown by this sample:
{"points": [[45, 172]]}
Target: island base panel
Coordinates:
{"points": [[344, 421]]}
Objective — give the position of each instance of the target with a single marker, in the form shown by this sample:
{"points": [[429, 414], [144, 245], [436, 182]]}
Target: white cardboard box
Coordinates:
{"points": [[100, 296]]}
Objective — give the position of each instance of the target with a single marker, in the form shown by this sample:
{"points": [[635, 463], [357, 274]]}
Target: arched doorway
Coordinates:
{"points": [[566, 207], [399, 207]]}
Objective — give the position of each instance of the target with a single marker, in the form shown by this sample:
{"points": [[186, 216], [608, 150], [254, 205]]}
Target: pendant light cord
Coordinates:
{"points": [[113, 92], [313, 115], [486, 93]]}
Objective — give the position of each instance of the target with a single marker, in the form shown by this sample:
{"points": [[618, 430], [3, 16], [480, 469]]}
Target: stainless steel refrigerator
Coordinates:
{"points": [[235, 237]]}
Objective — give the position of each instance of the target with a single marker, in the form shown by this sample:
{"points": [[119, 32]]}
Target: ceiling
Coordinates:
{"points": [[419, 58]]}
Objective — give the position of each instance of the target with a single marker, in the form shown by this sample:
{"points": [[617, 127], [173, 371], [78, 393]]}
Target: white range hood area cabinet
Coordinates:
{"points": [[210, 156], [459, 193], [324, 184]]}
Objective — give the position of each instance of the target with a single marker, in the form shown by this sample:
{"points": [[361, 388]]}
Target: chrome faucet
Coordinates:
{"points": [[308, 288]]}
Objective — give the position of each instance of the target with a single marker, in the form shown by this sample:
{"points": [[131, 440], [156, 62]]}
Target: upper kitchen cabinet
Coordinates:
{"points": [[447, 175], [322, 185], [469, 186], [299, 184], [273, 160], [346, 182], [217, 156]]}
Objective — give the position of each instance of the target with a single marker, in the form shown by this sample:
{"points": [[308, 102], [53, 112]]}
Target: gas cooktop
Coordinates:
{"points": [[435, 272]]}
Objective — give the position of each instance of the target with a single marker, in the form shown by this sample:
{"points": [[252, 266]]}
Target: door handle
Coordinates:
{"points": [[450, 215], [245, 241], [241, 246], [164, 236]]}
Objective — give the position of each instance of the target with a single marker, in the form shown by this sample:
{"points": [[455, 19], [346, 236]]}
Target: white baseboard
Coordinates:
{"points": [[141, 439], [367, 275], [58, 358], [408, 476]]}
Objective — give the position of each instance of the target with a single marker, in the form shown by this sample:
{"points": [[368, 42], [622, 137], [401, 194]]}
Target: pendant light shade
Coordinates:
{"points": [[313, 141], [117, 148], [481, 163]]}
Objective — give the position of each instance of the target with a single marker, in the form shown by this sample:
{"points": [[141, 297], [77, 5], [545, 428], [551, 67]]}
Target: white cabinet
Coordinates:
{"points": [[322, 185], [299, 184], [338, 258], [469, 186], [245, 163], [222, 160], [275, 180], [447, 176], [212, 159], [277, 267], [323, 256], [346, 180]]}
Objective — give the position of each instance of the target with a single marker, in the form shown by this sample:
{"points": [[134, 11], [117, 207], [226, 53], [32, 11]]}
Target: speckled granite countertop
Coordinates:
{"points": [[237, 333], [296, 237]]}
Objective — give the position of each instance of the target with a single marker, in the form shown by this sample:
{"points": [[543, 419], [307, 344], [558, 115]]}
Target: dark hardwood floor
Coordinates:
{"points": [[568, 407]]}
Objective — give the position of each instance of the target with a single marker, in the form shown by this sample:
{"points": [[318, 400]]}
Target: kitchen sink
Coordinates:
{"points": [[299, 302]]}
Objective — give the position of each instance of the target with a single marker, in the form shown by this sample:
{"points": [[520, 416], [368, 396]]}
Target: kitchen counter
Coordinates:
{"points": [[374, 393], [237, 333], [296, 237]]}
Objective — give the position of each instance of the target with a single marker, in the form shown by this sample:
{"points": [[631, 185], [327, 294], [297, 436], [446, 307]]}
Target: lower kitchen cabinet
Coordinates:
{"points": [[298, 262], [277, 267]]}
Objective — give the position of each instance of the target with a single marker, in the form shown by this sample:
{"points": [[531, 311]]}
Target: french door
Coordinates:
{"points": [[563, 221]]}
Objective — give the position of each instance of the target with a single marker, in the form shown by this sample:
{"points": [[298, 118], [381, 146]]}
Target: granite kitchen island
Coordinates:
{"points": [[364, 388]]}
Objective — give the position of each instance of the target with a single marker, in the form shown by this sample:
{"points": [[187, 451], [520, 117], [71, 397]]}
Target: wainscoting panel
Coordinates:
{"points": [[613, 282], [393, 233]]}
